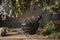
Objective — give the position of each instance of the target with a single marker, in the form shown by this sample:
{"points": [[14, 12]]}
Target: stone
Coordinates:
{"points": [[2, 32]]}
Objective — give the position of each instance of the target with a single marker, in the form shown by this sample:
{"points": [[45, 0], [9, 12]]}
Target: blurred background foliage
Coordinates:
{"points": [[18, 7], [49, 28]]}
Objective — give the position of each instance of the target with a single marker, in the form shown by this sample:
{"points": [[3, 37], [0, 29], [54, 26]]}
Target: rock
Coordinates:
{"points": [[2, 32]]}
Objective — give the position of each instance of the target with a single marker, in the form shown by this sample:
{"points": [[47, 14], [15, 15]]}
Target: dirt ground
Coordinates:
{"points": [[19, 36]]}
